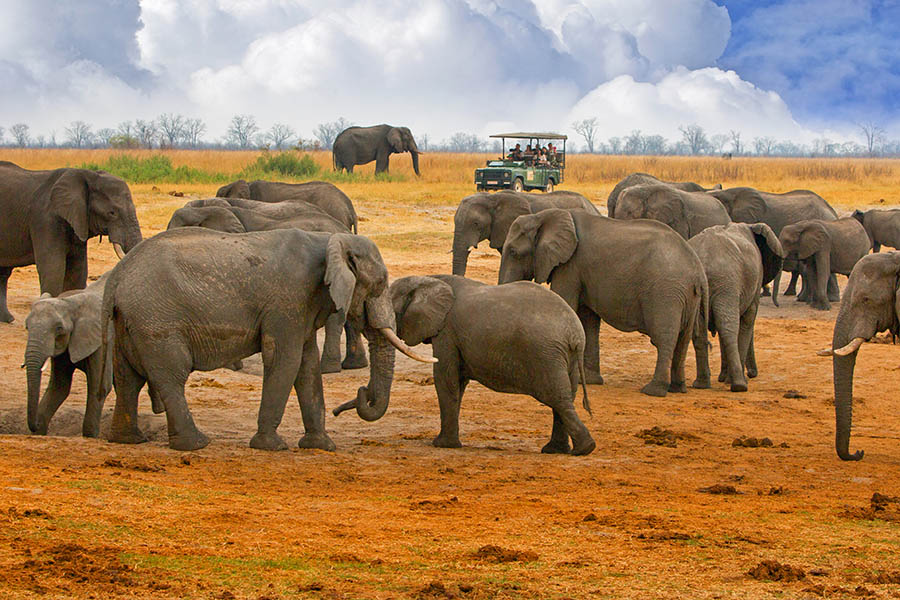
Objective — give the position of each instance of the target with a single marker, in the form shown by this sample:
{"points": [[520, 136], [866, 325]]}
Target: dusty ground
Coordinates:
{"points": [[389, 516]]}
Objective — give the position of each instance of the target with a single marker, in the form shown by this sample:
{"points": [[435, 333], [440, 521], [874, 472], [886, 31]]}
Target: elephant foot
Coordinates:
{"points": [[723, 376], [766, 292], [593, 377], [355, 361], [553, 447], [235, 366], [127, 436], [701, 384], [820, 304], [446, 442], [188, 441], [319, 441], [752, 372], [834, 297], [6, 316], [268, 441], [656, 388], [332, 365], [739, 386], [790, 292], [584, 447], [90, 432], [678, 387]]}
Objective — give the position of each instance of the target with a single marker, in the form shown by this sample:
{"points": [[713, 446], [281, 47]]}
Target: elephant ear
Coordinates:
{"points": [[395, 139], [85, 337], [769, 248], [748, 207], [667, 207], [339, 275], [507, 208], [422, 305], [859, 216], [555, 242], [812, 239], [69, 201], [237, 189]]}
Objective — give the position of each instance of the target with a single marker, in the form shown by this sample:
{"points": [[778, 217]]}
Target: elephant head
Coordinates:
{"points": [[401, 140], [484, 216], [537, 244], [654, 201], [421, 305], [210, 217], [772, 254], [95, 203], [871, 304], [802, 240], [357, 282], [70, 323], [744, 205], [236, 189]]}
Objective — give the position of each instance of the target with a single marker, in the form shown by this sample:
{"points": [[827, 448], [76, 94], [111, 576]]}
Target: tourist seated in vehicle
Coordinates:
{"points": [[516, 153]]}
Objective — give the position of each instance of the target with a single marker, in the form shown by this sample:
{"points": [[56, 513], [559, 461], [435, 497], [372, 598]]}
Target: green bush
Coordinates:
{"points": [[153, 169], [288, 164]]}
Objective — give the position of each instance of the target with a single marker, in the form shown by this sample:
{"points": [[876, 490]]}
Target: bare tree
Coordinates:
{"points": [[40, 141], [717, 142], [465, 142], [326, 132], [1, 133], [587, 128], [193, 131], [634, 143], [171, 126], [764, 145], [615, 145], [125, 128], [280, 134], [19, 131], [242, 130], [654, 144], [694, 138], [78, 133], [737, 148], [105, 135], [146, 132], [874, 135]]}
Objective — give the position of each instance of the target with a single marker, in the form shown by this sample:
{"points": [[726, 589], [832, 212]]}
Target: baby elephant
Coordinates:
{"points": [[66, 330], [516, 338]]}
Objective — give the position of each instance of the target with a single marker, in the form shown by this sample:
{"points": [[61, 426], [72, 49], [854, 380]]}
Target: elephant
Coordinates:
{"points": [[646, 178], [66, 330], [240, 220], [738, 259], [871, 305], [360, 145], [637, 275], [46, 218], [487, 216], [325, 195], [824, 248], [688, 213], [748, 205], [882, 226], [517, 338], [273, 290]]}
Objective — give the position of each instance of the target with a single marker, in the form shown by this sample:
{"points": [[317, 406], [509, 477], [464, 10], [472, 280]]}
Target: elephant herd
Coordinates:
{"points": [[263, 266]]}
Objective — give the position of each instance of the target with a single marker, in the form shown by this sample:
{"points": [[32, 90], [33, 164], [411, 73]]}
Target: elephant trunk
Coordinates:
{"points": [[415, 161], [372, 400], [775, 284], [35, 357], [125, 238], [843, 367], [460, 255]]}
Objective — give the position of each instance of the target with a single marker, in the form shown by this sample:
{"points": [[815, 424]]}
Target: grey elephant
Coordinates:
{"points": [[274, 289], [749, 205], [66, 330], [326, 196], [517, 338], [646, 178], [488, 216], [871, 305], [47, 217], [361, 145], [234, 219], [882, 226], [636, 275], [738, 259], [688, 213], [823, 248]]}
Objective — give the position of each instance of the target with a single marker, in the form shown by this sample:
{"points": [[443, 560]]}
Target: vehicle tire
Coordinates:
{"points": [[549, 187], [479, 188], [518, 185]]}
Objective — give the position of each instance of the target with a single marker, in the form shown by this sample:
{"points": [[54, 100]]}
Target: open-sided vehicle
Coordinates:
{"points": [[520, 170]]}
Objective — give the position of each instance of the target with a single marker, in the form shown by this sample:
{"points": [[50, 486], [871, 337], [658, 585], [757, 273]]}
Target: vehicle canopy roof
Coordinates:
{"points": [[525, 135]]}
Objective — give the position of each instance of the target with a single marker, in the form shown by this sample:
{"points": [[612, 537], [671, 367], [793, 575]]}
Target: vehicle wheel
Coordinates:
{"points": [[518, 185], [549, 187], [479, 188]]}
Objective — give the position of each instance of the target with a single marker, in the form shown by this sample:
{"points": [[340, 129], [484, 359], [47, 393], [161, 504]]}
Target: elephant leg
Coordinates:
{"points": [[591, 324], [663, 324], [97, 391], [792, 286], [57, 391], [50, 260], [745, 343], [355, 357], [308, 385], [279, 373], [766, 292], [331, 351], [449, 386], [820, 269], [76, 268], [128, 384], [834, 291], [564, 412], [168, 384], [806, 281], [701, 353], [559, 437], [876, 247], [676, 375], [728, 324], [723, 365], [5, 315], [382, 162]]}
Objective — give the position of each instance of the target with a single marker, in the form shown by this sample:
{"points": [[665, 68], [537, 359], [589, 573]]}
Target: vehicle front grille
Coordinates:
{"points": [[496, 174]]}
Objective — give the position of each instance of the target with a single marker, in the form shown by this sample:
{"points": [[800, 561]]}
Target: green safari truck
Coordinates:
{"points": [[532, 163]]}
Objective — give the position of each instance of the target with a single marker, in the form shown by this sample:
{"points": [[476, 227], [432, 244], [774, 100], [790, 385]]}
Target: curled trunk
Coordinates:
{"points": [[372, 400], [843, 367]]}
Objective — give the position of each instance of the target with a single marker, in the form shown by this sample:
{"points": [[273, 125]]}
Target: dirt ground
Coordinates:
{"points": [[679, 511]]}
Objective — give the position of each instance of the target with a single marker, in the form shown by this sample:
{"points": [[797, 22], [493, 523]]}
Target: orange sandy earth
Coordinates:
{"points": [[389, 516]]}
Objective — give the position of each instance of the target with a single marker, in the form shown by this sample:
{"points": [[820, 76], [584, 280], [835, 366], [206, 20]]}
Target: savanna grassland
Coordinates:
{"points": [[667, 506]]}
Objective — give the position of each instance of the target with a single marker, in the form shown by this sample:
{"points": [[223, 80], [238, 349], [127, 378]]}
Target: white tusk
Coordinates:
{"points": [[850, 348], [119, 252], [402, 347], [825, 352], [44, 366]]}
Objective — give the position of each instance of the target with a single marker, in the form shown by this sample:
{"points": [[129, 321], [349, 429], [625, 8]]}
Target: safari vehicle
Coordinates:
{"points": [[521, 171]]}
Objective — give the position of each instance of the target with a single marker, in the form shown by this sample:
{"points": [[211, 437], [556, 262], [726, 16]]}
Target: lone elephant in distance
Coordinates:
{"points": [[361, 145]]}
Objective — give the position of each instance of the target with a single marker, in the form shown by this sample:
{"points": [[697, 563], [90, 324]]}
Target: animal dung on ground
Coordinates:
{"points": [[658, 436], [772, 570], [721, 489], [794, 394], [496, 554], [752, 442]]}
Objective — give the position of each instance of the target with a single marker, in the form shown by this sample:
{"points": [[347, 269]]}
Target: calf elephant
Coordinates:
{"points": [[325, 195], [824, 248], [882, 226], [870, 306], [274, 289], [738, 259], [688, 213], [46, 218], [518, 338], [234, 219], [361, 145], [487, 216], [645, 178], [637, 275], [67, 331]]}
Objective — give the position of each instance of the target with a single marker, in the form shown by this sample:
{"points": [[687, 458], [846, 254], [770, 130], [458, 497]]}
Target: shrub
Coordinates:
{"points": [[288, 164], [153, 169]]}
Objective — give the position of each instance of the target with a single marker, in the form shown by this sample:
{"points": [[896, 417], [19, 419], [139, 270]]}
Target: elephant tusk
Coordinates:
{"points": [[825, 352], [119, 252], [402, 347], [850, 348]]}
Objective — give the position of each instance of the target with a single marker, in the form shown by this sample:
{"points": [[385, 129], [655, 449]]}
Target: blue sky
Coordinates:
{"points": [[790, 69]]}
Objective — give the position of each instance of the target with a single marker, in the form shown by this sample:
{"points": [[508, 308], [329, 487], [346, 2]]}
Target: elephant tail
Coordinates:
{"points": [[584, 400], [703, 321]]}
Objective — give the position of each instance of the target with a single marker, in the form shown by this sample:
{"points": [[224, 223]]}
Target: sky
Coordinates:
{"points": [[789, 69]]}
